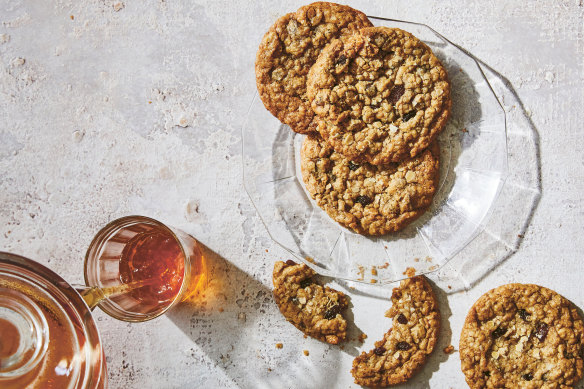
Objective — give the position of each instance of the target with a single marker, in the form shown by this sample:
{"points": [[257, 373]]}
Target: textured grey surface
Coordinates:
{"points": [[112, 108]]}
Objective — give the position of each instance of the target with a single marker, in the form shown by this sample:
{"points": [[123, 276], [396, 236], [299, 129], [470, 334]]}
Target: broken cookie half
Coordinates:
{"points": [[406, 346], [312, 308]]}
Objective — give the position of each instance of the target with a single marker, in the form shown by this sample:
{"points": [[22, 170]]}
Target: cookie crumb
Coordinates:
{"points": [[449, 287], [373, 271], [279, 345], [448, 349], [72, 17], [362, 337], [118, 6], [410, 272], [373, 281], [384, 266], [306, 353], [520, 236]]}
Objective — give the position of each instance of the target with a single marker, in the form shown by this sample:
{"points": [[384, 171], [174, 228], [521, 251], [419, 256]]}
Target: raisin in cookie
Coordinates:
{"points": [[406, 346], [290, 48], [522, 336], [370, 199], [383, 94], [314, 309]]}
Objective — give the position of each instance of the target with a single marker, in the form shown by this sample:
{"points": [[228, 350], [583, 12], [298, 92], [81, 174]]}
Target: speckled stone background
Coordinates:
{"points": [[111, 108]]}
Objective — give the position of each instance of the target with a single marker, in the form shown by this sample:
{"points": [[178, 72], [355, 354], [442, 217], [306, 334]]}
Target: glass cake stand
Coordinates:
{"points": [[484, 201]]}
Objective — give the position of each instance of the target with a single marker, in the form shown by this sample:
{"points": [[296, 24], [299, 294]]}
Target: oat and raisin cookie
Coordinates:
{"points": [[407, 345], [383, 95], [290, 48], [522, 336], [314, 309], [370, 199]]}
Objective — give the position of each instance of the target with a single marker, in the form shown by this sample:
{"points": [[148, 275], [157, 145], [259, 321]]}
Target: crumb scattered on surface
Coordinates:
{"points": [[373, 281], [448, 349], [362, 337], [416, 259], [306, 353], [279, 345], [384, 266], [118, 6], [373, 271], [410, 272], [449, 287]]}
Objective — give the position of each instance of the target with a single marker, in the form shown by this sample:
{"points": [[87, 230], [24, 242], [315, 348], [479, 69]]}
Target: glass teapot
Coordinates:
{"points": [[48, 338]]}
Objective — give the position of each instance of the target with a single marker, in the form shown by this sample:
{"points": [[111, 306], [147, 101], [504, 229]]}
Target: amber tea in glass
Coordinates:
{"points": [[137, 268]]}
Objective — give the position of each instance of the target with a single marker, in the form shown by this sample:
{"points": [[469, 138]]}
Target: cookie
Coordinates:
{"points": [[523, 336], [290, 48], [383, 95], [370, 199], [312, 308], [407, 345]]}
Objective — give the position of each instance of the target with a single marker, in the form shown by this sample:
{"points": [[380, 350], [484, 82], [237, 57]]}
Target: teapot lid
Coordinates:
{"points": [[47, 333]]}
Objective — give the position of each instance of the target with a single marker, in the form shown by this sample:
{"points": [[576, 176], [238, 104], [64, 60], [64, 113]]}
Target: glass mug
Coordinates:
{"points": [[136, 268]]}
